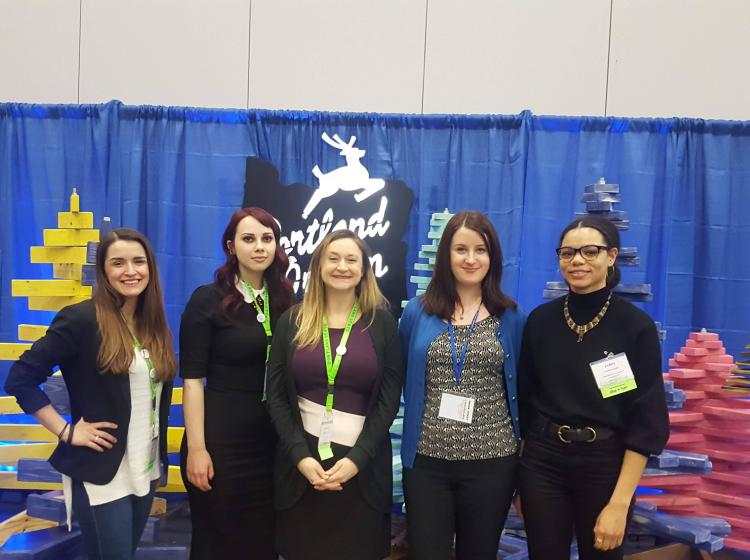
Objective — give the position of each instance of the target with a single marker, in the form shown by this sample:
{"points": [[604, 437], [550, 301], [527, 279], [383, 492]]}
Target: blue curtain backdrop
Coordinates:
{"points": [[177, 174]]}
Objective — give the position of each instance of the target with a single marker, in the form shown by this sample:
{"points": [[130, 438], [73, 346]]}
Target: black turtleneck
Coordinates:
{"points": [[555, 378]]}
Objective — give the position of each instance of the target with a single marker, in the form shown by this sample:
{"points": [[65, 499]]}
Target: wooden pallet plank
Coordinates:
{"points": [[69, 237], [53, 303], [11, 351], [31, 333], [75, 255], [76, 220], [25, 288]]}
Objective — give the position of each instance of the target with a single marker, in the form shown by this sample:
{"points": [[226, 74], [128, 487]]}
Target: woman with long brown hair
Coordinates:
{"points": [[227, 453], [334, 383], [115, 354], [460, 441]]}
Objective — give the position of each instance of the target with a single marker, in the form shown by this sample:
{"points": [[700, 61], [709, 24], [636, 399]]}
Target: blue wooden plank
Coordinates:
{"points": [[163, 553], [47, 544], [37, 470], [49, 505]]}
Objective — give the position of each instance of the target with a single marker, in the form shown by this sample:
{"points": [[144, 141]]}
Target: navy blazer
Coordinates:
{"points": [[72, 342]]}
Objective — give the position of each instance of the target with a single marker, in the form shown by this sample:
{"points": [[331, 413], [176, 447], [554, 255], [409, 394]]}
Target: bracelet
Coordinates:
{"points": [[59, 436], [70, 434]]}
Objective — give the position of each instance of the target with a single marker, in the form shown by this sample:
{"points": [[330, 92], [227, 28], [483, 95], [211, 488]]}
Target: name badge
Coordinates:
{"points": [[154, 454], [326, 437], [613, 375], [458, 407]]}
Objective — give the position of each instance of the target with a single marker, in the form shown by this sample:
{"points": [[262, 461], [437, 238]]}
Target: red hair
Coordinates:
{"points": [[280, 292]]}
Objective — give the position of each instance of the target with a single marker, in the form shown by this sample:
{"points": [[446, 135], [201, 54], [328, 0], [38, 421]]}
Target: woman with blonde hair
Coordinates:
{"points": [[115, 353], [334, 385]]}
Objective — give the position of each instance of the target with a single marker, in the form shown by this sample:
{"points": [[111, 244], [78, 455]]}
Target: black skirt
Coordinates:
{"points": [[326, 525], [236, 518]]}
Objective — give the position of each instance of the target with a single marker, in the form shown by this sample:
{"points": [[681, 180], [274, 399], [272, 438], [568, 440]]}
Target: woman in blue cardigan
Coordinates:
{"points": [[460, 343]]}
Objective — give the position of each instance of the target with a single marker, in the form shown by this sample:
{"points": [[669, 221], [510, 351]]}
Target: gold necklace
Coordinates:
{"points": [[581, 330]]}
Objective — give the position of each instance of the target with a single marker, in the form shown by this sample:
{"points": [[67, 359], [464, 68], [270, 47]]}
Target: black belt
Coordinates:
{"points": [[569, 434]]}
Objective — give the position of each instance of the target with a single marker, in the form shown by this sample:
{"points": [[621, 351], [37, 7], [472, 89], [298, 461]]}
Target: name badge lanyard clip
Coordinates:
{"points": [[458, 361], [264, 318], [332, 370], [153, 414]]}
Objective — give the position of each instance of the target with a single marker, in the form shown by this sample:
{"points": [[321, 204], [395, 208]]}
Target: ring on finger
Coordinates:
{"points": [[96, 438]]}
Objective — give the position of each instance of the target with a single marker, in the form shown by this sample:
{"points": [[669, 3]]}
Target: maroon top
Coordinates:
{"points": [[356, 377]]}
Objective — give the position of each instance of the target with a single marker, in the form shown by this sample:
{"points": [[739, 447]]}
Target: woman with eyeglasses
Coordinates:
{"points": [[334, 385], [592, 403]]}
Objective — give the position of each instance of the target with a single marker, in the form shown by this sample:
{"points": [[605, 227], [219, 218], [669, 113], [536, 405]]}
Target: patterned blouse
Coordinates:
{"points": [[490, 435]]}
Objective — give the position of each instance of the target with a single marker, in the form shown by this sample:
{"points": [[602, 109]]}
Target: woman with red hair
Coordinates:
{"points": [[227, 453]]}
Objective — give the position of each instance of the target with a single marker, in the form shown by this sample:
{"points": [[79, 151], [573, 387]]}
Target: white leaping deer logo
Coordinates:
{"points": [[352, 177]]}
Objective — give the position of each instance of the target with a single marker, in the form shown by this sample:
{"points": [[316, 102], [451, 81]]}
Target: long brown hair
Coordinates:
{"points": [[280, 292], [116, 349], [310, 317], [441, 297]]}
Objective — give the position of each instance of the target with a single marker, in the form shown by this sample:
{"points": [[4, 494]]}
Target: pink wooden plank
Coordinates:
{"points": [[703, 336]]}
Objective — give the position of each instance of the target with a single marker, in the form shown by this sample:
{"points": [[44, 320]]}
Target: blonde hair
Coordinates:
{"points": [[309, 319]]}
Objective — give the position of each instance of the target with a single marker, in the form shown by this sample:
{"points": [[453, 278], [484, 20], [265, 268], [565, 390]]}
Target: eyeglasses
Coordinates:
{"points": [[588, 252]]}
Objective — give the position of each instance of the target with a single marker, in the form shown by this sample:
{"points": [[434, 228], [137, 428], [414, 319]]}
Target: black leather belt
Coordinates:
{"points": [[570, 434]]}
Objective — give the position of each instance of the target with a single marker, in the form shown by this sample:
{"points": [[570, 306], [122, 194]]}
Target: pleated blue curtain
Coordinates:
{"points": [[178, 173]]}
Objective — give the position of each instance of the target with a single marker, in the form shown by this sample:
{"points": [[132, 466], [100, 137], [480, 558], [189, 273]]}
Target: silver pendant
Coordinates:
{"points": [[145, 354], [261, 317], [152, 373], [341, 350]]}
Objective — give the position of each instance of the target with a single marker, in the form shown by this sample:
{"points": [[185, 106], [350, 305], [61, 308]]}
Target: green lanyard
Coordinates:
{"points": [[264, 315], [153, 385], [332, 365]]}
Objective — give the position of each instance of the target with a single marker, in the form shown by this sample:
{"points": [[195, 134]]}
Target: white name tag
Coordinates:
{"points": [[613, 375], [326, 429], [454, 406]]}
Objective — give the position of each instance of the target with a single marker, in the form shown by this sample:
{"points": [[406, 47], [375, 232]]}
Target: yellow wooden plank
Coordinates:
{"points": [[69, 237], [12, 350], [75, 255], [22, 523], [12, 452], [53, 303], [177, 395], [174, 481], [78, 220], [25, 432], [66, 271], [8, 405], [174, 439], [30, 333], [20, 288]]}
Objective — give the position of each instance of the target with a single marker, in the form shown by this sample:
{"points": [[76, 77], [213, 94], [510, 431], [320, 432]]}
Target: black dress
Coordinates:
{"points": [[235, 519]]}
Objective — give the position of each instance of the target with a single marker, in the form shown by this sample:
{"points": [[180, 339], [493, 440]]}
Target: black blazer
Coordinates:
{"points": [[372, 451], [72, 342]]}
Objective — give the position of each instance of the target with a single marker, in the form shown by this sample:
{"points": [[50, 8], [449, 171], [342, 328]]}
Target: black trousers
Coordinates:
{"points": [[467, 498], [564, 487]]}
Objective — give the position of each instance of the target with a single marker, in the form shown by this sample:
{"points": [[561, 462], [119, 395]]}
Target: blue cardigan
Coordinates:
{"points": [[417, 330]]}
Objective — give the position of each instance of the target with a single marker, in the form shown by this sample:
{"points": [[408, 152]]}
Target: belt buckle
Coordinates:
{"points": [[560, 434], [593, 434]]}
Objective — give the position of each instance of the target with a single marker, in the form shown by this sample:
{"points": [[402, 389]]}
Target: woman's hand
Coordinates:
{"points": [[92, 434], [342, 471], [609, 530], [313, 471], [200, 468]]}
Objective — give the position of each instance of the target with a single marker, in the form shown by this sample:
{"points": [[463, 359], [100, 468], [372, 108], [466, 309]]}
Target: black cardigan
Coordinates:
{"points": [[72, 342], [372, 450]]}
